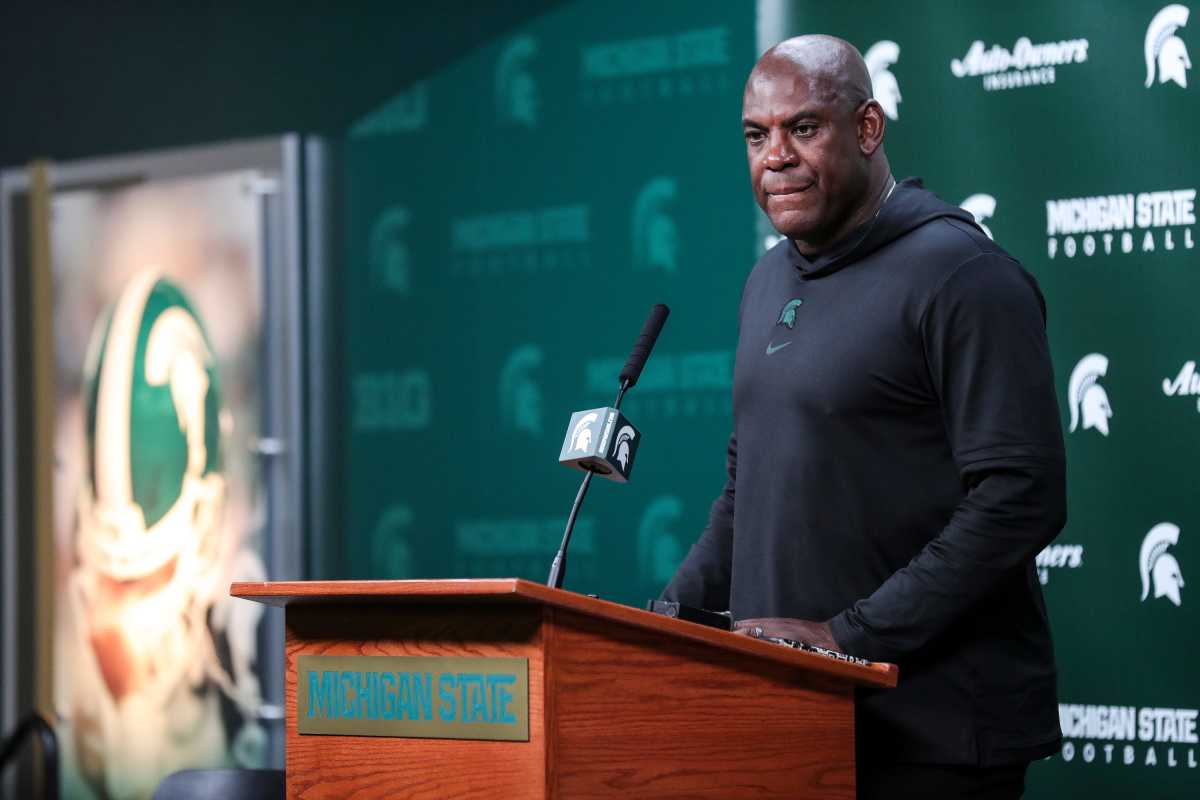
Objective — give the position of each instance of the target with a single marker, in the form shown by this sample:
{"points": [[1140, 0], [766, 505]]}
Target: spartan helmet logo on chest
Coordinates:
{"points": [[787, 316]]}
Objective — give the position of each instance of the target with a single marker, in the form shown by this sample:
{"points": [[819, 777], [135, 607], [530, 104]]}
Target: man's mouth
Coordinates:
{"points": [[784, 191]]}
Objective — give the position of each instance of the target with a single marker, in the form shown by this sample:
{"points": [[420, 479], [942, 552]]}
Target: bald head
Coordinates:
{"points": [[833, 68], [814, 140]]}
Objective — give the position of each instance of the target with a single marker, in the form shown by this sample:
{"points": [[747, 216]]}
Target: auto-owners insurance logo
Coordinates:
{"points": [[1026, 64]]}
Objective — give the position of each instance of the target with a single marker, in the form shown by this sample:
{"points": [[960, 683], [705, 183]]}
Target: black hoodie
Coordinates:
{"points": [[896, 464]]}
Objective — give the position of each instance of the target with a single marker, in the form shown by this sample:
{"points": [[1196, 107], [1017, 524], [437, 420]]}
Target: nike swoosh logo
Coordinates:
{"points": [[775, 348]]}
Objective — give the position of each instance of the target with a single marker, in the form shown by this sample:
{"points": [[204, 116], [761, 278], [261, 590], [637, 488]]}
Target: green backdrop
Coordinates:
{"points": [[510, 223], [511, 220]]}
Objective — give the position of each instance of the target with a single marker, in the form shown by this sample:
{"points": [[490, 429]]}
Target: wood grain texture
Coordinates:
{"points": [[622, 703], [521, 592], [638, 714], [360, 767]]}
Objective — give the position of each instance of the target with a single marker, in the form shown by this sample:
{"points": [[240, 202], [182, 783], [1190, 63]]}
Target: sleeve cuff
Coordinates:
{"points": [[851, 638]]}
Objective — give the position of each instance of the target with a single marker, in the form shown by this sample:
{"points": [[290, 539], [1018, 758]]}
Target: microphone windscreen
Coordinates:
{"points": [[644, 344]]}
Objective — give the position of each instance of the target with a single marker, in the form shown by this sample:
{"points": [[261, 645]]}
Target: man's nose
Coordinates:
{"points": [[780, 152]]}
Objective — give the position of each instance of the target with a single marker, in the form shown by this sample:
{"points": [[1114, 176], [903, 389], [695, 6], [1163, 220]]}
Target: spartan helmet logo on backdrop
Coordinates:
{"points": [[389, 257], [655, 238], [581, 434], [981, 207], [520, 397], [1166, 54], [884, 85], [658, 548], [1158, 568], [1088, 399], [516, 90], [147, 594], [391, 551]]}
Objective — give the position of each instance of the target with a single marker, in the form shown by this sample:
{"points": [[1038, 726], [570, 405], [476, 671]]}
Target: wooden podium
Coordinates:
{"points": [[621, 702]]}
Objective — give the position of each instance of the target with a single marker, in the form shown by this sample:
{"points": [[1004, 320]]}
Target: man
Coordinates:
{"points": [[897, 457]]}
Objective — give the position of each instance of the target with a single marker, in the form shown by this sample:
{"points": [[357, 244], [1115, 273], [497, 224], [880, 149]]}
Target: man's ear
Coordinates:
{"points": [[871, 123]]}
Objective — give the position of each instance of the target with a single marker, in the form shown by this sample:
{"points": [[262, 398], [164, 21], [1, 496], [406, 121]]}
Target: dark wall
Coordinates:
{"points": [[81, 79]]}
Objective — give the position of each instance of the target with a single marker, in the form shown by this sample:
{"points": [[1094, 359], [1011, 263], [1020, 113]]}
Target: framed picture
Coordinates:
{"points": [[153, 360]]}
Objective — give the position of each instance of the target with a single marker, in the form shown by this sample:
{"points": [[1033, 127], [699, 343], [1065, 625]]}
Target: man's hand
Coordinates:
{"points": [[800, 630]]}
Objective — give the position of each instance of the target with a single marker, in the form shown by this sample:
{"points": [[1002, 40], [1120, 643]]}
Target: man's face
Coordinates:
{"points": [[806, 168]]}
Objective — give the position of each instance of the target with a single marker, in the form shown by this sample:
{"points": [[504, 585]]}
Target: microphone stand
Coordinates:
{"points": [[558, 569]]}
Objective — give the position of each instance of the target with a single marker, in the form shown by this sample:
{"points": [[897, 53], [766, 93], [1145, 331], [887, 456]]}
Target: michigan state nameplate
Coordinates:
{"points": [[427, 697]]}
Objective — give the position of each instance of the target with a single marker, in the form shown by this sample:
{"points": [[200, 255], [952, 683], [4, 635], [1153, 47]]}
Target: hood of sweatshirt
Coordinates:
{"points": [[909, 207]]}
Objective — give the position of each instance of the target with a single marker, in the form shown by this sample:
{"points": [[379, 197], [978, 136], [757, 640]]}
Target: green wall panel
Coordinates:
{"points": [[1085, 127], [511, 220]]}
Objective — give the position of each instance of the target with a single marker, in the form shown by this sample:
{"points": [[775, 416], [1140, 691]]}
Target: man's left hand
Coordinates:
{"points": [[800, 630]]}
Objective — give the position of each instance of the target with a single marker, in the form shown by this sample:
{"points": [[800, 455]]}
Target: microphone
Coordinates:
{"points": [[602, 440], [642, 347]]}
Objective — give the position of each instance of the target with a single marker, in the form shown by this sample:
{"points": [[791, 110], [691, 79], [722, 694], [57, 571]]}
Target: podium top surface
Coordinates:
{"points": [[519, 591]]}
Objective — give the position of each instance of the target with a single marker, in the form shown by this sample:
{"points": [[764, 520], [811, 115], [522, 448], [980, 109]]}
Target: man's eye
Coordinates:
{"points": [[804, 130], [755, 137]]}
